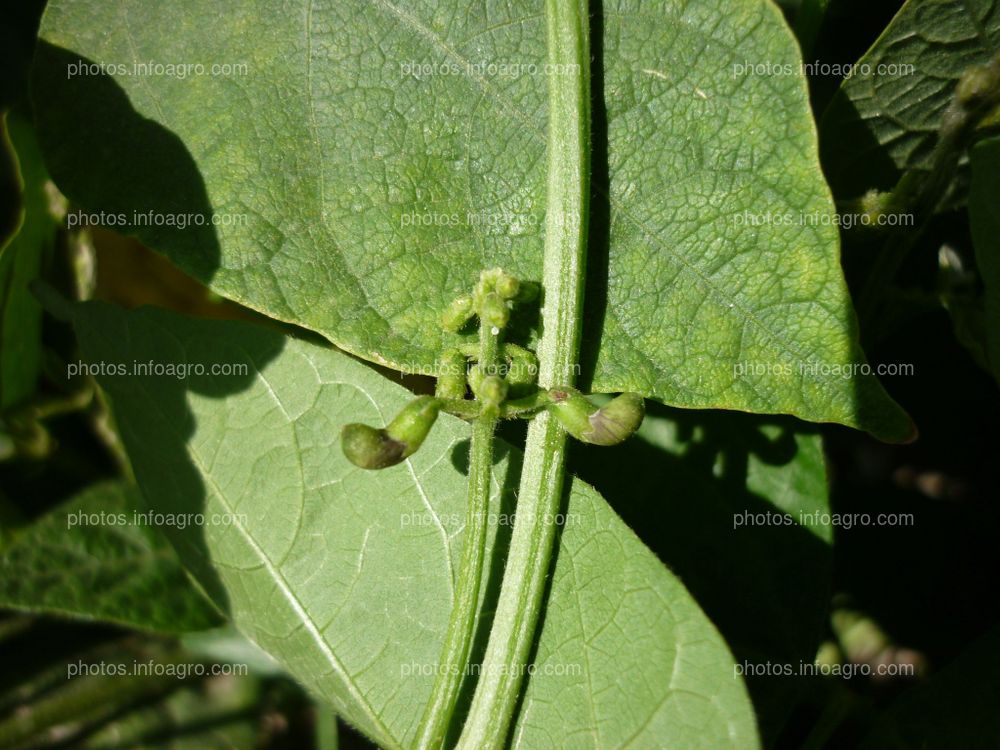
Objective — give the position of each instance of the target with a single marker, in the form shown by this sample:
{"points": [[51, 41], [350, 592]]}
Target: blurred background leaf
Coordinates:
{"points": [[885, 118], [96, 558]]}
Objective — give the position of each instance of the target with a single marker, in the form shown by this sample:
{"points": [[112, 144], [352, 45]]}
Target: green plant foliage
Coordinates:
{"points": [[737, 506], [387, 162], [568, 274], [885, 118], [356, 568], [217, 719], [98, 558]]}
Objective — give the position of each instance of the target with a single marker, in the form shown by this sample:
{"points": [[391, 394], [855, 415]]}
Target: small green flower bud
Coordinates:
{"points": [[457, 314], [369, 448], [874, 204], [493, 310], [507, 286], [572, 409], [485, 285], [476, 377], [412, 424], [492, 393], [607, 425], [488, 278], [522, 371], [452, 375]]}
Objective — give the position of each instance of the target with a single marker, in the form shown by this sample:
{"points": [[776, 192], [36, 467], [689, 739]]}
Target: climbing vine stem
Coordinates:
{"points": [[462, 622], [541, 488]]}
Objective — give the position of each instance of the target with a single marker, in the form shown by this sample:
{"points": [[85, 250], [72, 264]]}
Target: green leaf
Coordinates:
{"points": [[386, 163], [649, 676], [94, 558], [984, 218], [885, 118], [346, 576], [21, 260], [737, 506], [762, 516]]}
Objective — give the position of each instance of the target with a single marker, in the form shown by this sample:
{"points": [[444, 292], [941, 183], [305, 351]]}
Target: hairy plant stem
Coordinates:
{"points": [[540, 494], [513, 409], [454, 659]]}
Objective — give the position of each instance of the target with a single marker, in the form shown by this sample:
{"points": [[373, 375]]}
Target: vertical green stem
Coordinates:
{"points": [[451, 667], [327, 737], [540, 493]]}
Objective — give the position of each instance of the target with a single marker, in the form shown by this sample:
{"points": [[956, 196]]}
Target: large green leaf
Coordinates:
{"points": [[737, 506], [21, 260], [761, 516], [637, 636], [97, 558], [381, 163], [346, 576], [885, 118], [984, 218]]}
